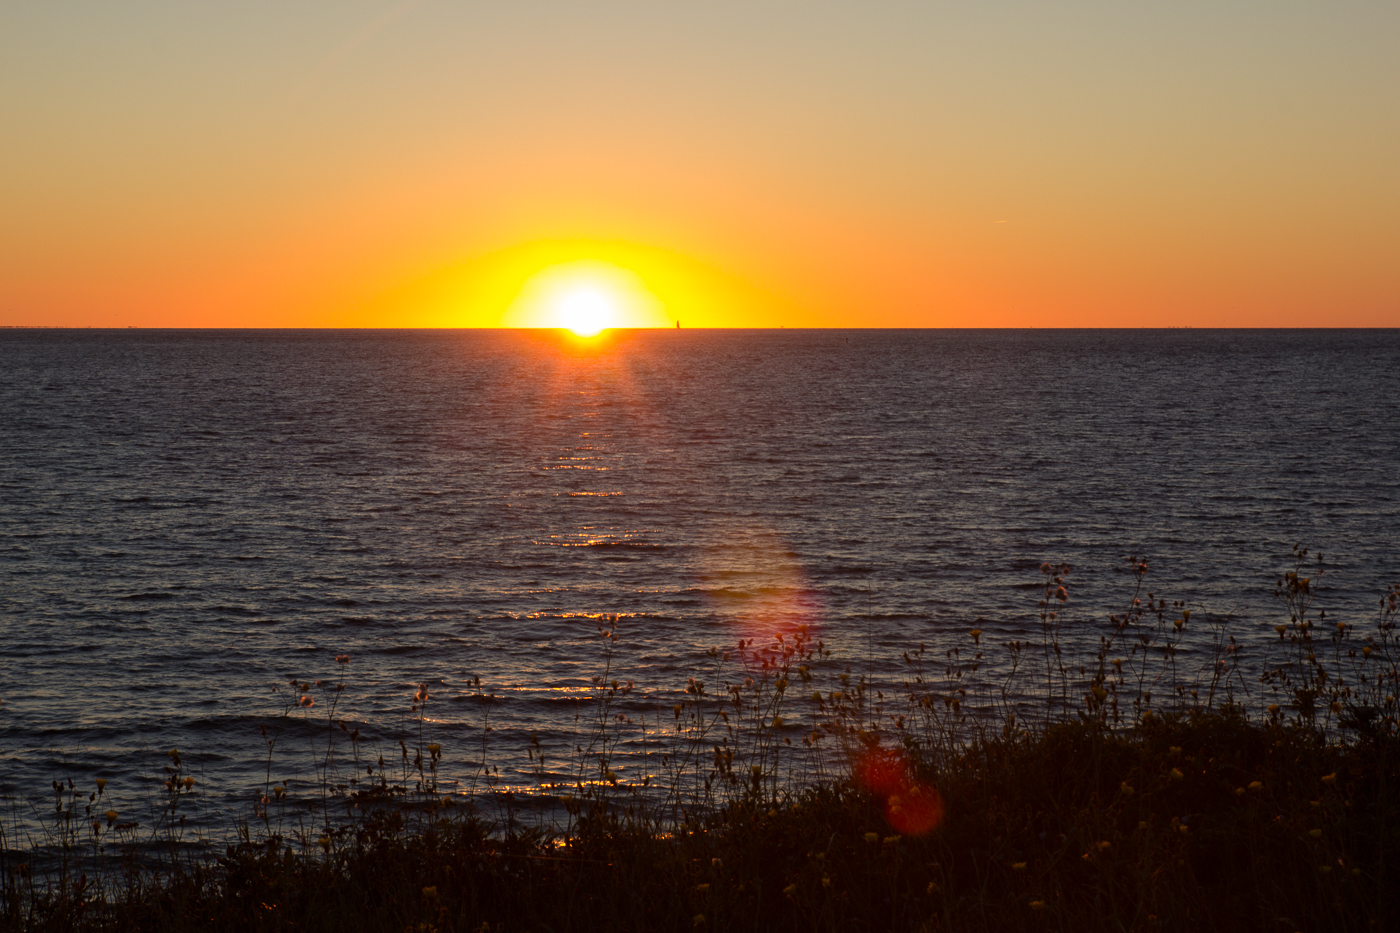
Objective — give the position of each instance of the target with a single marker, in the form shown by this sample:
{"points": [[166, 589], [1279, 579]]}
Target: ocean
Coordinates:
{"points": [[190, 519]]}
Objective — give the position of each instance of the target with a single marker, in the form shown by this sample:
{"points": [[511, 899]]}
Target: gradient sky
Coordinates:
{"points": [[414, 163]]}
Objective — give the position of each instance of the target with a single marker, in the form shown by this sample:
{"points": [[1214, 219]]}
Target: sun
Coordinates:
{"points": [[586, 310], [585, 297]]}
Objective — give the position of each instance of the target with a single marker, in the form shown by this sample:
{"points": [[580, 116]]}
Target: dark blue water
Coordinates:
{"points": [[190, 518]]}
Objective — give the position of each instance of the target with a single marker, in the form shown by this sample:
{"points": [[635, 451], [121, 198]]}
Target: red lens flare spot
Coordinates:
{"points": [[912, 807]]}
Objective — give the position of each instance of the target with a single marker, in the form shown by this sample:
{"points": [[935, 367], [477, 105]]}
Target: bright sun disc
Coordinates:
{"points": [[586, 311], [586, 297]]}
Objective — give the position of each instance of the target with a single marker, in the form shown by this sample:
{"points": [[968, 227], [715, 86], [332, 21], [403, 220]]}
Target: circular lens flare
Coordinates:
{"points": [[912, 807]]}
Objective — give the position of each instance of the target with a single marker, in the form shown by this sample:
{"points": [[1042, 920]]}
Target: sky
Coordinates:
{"points": [[431, 163]]}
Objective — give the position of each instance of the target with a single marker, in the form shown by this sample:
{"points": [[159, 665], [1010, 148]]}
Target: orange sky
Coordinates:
{"points": [[417, 163]]}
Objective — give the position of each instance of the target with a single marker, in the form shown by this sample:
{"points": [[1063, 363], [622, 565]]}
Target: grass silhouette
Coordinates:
{"points": [[1102, 789]]}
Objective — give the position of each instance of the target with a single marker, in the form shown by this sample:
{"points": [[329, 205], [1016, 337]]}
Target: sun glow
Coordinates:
{"points": [[586, 311], [586, 297]]}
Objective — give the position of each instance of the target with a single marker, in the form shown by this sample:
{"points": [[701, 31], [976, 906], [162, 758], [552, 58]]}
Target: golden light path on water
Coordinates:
{"points": [[747, 574]]}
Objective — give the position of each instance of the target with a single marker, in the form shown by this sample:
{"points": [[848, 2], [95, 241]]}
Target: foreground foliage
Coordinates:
{"points": [[1104, 789], [1192, 822]]}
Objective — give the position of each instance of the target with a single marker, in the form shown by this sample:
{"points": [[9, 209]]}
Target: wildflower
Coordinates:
{"points": [[1018, 866], [1062, 594], [308, 701], [325, 843], [342, 659], [434, 749], [1046, 568], [1279, 629], [677, 709], [816, 696], [111, 816], [422, 694], [430, 892], [1366, 651], [101, 785], [610, 776], [1330, 778], [1256, 785], [174, 754], [188, 782], [1273, 709], [976, 634], [872, 838], [1315, 833], [777, 722]]}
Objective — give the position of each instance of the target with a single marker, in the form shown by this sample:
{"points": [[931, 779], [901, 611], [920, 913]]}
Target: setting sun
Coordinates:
{"points": [[585, 296], [586, 311]]}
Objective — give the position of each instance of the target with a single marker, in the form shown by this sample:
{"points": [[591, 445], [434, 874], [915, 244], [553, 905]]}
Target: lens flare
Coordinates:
{"points": [[912, 807], [754, 580]]}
